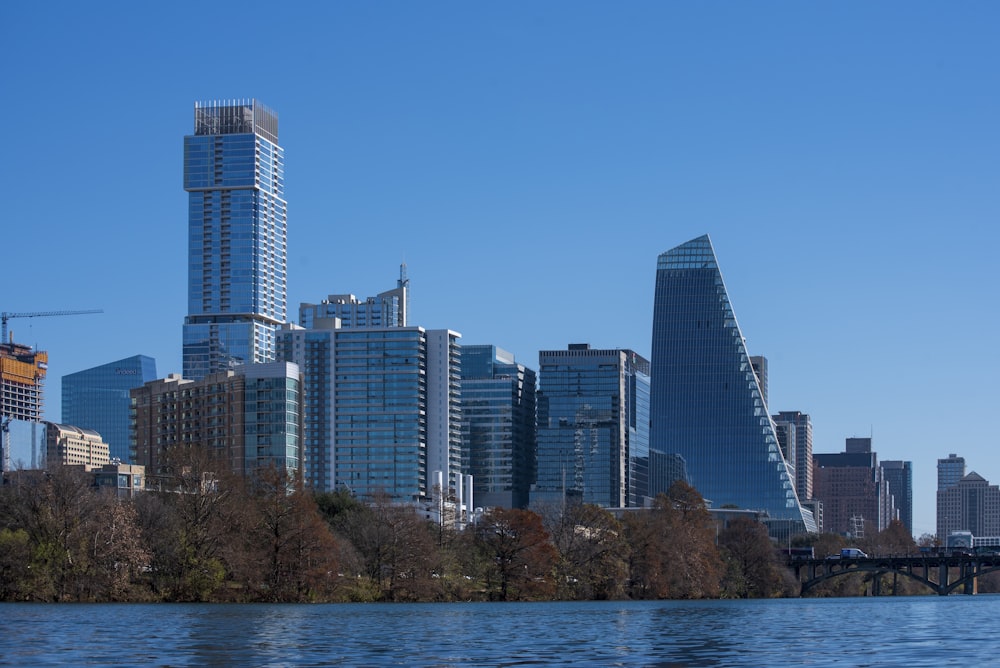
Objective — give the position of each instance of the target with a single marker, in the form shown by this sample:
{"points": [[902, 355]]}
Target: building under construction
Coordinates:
{"points": [[22, 376]]}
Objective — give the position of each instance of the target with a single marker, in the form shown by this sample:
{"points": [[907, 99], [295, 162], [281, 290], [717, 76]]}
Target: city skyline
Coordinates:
{"points": [[528, 163]]}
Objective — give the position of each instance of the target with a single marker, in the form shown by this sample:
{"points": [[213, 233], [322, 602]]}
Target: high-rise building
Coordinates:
{"points": [[498, 426], [250, 418], [950, 470], [852, 487], [237, 254], [971, 504], [593, 422], [803, 451], [899, 475], [381, 407], [98, 399], [22, 381], [706, 402], [387, 309]]}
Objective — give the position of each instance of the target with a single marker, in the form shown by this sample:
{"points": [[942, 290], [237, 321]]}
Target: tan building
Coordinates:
{"points": [[67, 445], [126, 480]]}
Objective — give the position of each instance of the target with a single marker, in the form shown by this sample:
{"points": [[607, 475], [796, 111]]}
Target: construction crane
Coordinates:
{"points": [[39, 314]]}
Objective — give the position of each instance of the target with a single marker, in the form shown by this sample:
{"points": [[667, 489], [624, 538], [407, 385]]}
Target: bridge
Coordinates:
{"points": [[943, 573]]}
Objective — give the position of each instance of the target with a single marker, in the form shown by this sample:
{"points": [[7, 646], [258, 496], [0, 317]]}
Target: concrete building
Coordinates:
{"points": [[125, 480], [852, 488], [707, 402], [234, 174], [799, 426], [98, 398], [66, 445], [593, 427], [971, 504], [499, 441], [22, 380], [249, 418]]}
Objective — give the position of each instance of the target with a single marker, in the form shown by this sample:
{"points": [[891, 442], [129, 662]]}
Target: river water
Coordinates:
{"points": [[910, 631]]}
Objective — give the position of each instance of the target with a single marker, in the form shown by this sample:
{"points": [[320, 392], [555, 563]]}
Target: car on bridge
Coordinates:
{"points": [[852, 553]]}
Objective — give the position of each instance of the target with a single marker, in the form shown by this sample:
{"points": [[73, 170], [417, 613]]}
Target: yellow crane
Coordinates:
{"points": [[5, 316]]}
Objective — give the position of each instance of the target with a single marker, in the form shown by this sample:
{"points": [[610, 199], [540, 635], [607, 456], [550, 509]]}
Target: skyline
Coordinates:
{"points": [[528, 164]]}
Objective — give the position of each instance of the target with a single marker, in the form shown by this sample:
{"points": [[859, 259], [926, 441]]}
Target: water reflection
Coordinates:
{"points": [[922, 631]]}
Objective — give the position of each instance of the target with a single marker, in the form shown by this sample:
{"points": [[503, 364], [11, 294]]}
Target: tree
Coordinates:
{"points": [[293, 554], [592, 552], [398, 549], [673, 551], [753, 568], [518, 554]]}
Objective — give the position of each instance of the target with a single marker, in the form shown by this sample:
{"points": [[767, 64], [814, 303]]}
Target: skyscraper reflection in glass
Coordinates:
{"points": [[706, 402], [237, 216], [593, 427]]}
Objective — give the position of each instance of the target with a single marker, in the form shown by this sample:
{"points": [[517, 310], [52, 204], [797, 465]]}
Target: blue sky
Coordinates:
{"points": [[528, 162]]}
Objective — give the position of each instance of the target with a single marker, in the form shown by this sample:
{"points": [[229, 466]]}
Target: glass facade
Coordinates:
{"points": [[380, 405], [98, 399], [706, 402], [498, 426], [237, 237], [593, 439]]}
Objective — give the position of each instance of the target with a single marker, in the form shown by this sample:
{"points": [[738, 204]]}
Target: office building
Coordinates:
{"points": [[593, 420], [498, 426], [98, 399], [852, 488], [237, 254], [971, 504], [706, 400], [67, 445], [22, 381], [899, 475], [248, 419], [759, 365], [949, 471], [382, 407], [799, 427]]}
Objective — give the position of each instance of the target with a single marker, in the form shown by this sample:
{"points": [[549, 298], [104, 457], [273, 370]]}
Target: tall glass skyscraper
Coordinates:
{"points": [[498, 426], [98, 399], [593, 427], [706, 402], [237, 216]]}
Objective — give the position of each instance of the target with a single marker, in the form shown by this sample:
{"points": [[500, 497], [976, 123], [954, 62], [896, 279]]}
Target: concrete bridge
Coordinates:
{"points": [[943, 573]]}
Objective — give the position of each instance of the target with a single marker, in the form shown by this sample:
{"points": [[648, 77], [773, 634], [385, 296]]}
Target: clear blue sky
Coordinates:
{"points": [[529, 161]]}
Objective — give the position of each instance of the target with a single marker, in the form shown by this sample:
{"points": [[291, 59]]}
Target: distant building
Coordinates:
{"points": [[22, 380], [126, 480], [853, 491], [250, 418], [759, 364], [98, 399], [498, 426], [707, 400], [24, 446], [593, 427], [234, 174], [66, 445], [949, 471], [802, 452], [972, 504], [387, 309], [899, 475]]}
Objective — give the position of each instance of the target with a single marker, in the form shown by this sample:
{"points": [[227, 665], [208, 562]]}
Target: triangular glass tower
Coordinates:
{"points": [[705, 400]]}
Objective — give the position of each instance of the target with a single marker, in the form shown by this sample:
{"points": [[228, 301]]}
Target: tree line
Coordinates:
{"points": [[228, 539]]}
